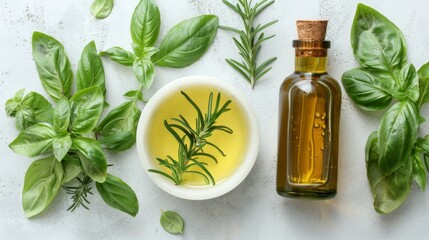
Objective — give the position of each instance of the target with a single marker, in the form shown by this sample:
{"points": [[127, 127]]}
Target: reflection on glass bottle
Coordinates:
{"points": [[309, 114]]}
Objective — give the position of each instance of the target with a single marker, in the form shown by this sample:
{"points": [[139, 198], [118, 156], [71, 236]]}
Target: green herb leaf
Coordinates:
{"points": [[172, 222], [86, 108], [419, 173], [186, 42], [409, 87], [71, 166], [61, 146], [53, 65], [144, 71], [90, 71], [378, 45], [101, 8], [92, 158], [62, 115], [13, 103], [117, 194], [423, 84], [34, 109], [423, 144], [42, 182], [35, 140], [135, 94], [365, 90], [120, 56], [145, 25], [397, 135], [118, 129], [389, 191]]}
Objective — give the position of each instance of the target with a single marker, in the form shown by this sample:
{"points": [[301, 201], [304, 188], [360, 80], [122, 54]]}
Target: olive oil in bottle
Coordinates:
{"points": [[309, 114]]}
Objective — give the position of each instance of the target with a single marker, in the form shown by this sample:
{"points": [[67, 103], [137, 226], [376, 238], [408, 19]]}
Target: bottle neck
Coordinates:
{"points": [[305, 64]]}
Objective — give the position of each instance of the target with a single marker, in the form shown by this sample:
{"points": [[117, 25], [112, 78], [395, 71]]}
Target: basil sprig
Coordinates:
{"points": [[395, 155], [182, 46], [65, 132]]}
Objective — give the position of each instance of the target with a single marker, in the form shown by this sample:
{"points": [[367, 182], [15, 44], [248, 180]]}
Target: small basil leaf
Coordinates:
{"points": [[71, 167], [13, 103], [86, 108], [120, 56], [397, 135], [389, 191], [61, 146], [378, 45], [117, 131], [186, 42], [43, 110], [62, 115], [423, 144], [144, 71], [365, 90], [134, 94], [145, 25], [410, 84], [101, 8], [25, 118], [42, 182], [419, 173], [53, 65], [148, 52], [34, 141], [423, 84], [117, 194], [172, 222], [92, 158], [90, 71]]}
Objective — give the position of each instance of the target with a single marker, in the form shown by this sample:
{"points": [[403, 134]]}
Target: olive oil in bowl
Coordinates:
{"points": [[167, 147], [162, 143]]}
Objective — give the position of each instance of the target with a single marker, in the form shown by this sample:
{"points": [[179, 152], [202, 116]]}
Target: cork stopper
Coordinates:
{"points": [[311, 38], [311, 30]]}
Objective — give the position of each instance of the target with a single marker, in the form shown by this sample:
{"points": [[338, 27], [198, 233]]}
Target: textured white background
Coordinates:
{"points": [[253, 210]]}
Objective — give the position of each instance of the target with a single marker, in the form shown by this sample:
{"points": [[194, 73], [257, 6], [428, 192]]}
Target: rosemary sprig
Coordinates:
{"points": [[250, 40], [193, 140], [80, 193]]}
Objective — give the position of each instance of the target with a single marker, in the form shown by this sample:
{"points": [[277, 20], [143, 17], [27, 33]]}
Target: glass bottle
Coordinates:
{"points": [[309, 115]]}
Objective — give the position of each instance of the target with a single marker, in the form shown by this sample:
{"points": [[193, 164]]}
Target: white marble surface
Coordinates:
{"points": [[253, 210]]}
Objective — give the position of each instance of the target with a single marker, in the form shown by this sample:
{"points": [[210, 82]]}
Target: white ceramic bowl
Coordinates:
{"points": [[208, 191]]}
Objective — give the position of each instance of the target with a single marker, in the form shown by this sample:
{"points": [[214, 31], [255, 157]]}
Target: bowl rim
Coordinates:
{"points": [[223, 187]]}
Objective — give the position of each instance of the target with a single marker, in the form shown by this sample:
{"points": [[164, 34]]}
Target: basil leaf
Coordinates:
{"points": [[53, 65], [144, 71], [42, 109], [389, 191], [25, 118], [397, 135], [34, 141], [13, 103], [72, 168], [92, 158], [120, 56], [365, 90], [145, 25], [172, 222], [117, 194], [423, 73], [419, 173], [101, 8], [86, 108], [378, 45], [423, 144], [62, 115], [42, 182], [134, 94], [410, 84], [90, 71], [117, 131], [186, 42], [61, 146]]}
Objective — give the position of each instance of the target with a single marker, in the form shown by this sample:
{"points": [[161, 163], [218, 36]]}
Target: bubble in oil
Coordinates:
{"points": [[316, 125], [317, 116]]}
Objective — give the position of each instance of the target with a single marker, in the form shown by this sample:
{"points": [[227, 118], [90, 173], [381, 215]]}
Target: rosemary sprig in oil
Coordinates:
{"points": [[192, 142], [250, 40]]}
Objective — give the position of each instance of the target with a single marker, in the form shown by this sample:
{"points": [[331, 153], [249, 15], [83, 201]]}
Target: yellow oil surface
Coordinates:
{"points": [[162, 143]]}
